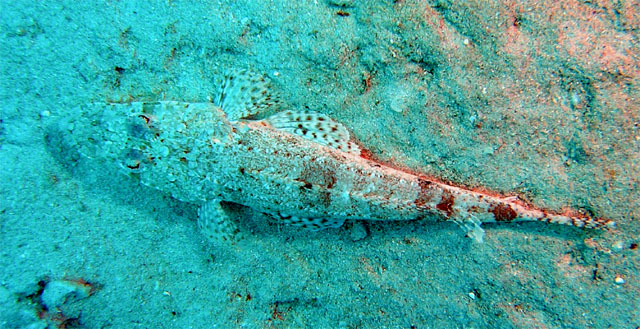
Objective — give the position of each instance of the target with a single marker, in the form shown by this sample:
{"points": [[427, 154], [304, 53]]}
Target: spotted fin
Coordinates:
{"points": [[244, 93], [311, 224], [215, 224], [315, 127]]}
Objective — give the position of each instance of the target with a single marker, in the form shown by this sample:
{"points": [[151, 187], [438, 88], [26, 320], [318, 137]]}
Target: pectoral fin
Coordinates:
{"points": [[243, 94], [215, 224], [470, 224]]}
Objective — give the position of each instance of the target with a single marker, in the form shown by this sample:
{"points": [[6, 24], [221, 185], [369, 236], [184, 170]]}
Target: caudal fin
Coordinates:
{"points": [[519, 211]]}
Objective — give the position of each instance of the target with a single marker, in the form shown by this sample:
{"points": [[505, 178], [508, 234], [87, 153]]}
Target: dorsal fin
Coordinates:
{"points": [[315, 127], [244, 93]]}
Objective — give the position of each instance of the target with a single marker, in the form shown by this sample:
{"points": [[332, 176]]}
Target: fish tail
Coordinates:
{"points": [[470, 209], [572, 218]]}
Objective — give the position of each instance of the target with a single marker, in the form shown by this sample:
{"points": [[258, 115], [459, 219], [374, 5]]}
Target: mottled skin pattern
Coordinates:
{"points": [[191, 151]]}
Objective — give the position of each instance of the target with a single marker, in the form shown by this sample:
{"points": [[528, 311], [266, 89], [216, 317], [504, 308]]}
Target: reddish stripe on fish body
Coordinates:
{"points": [[447, 197], [425, 195], [503, 212], [446, 203]]}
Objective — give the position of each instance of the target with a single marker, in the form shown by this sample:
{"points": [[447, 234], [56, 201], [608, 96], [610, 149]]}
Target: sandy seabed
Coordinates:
{"points": [[533, 98]]}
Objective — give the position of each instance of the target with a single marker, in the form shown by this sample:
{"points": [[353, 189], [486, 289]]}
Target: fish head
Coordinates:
{"points": [[138, 136]]}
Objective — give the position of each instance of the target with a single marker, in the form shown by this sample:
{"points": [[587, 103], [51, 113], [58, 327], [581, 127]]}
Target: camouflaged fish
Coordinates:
{"points": [[301, 167]]}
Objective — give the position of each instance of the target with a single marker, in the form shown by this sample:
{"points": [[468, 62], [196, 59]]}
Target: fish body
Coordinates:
{"points": [[302, 168]]}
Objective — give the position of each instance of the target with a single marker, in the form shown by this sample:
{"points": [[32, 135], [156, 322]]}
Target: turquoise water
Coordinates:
{"points": [[528, 99]]}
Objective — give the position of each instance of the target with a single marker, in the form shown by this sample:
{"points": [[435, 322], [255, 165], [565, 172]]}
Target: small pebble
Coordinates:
{"points": [[618, 245], [358, 232], [341, 3], [21, 31], [243, 128], [57, 292]]}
